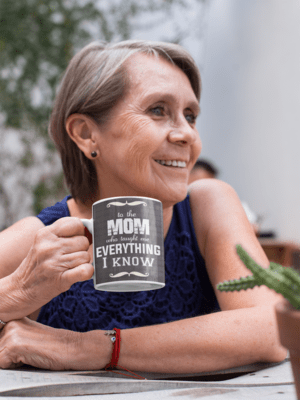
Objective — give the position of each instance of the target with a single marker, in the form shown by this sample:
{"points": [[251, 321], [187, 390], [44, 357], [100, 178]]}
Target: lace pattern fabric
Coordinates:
{"points": [[187, 292]]}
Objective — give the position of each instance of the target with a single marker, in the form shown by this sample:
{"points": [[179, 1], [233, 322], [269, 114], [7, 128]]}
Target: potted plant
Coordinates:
{"points": [[285, 281]]}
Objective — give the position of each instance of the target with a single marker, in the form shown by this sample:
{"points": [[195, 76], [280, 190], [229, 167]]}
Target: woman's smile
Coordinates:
{"points": [[174, 163]]}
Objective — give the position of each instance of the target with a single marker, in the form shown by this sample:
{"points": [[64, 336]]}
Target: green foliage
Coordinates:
{"points": [[37, 40], [285, 281]]}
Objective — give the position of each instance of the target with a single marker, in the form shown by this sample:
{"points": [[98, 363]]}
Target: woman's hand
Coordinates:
{"points": [[58, 258], [28, 342]]}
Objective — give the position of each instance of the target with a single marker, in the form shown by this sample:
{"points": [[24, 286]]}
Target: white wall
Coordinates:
{"points": [[250, 122]]}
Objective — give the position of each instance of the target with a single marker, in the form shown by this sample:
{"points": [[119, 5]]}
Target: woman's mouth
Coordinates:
{"points": [[172, 163]]}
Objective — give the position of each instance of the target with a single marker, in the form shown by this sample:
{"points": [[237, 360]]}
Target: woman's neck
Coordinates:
{"points": [[79, 210]]}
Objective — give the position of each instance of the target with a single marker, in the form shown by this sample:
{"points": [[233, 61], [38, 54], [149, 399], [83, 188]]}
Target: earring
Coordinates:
{"points": [[94, 154]]}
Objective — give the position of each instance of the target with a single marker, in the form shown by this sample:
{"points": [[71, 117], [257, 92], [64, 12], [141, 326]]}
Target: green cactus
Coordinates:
{"points": [[285, 281]]}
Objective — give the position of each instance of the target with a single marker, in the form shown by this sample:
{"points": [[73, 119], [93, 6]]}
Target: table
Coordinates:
{"points": [[282, 252], [261, 381]]}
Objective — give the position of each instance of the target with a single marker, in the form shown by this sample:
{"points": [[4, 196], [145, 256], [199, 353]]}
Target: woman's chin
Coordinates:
{"points": [[174, 196]]}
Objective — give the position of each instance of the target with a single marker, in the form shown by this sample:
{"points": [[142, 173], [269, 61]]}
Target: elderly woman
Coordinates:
{"points": [[124, 123]]}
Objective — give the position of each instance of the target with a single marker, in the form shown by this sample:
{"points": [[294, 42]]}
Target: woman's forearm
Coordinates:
{"points": [[208, 343], [212, 342]]}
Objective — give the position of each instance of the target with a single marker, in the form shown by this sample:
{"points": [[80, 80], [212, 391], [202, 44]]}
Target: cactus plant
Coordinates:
{"points": [[285, 281]]}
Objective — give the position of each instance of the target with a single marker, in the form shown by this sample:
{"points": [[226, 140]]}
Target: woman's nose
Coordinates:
{"points": [[183, 133]]}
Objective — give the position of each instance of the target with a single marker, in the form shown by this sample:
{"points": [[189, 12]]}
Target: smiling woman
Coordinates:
{"points": [[103, 78], [124, 123]]}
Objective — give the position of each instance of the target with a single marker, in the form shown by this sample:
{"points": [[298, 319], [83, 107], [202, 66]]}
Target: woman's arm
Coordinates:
{"points": [[38, 263], [208, 343], [243, 332], [221, 223]]}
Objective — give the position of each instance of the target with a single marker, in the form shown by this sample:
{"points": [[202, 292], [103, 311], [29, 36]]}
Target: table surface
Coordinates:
{"points": [[261, 381]]}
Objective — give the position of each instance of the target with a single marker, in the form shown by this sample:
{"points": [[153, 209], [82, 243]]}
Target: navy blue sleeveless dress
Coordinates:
{"points": [[188, 291]]}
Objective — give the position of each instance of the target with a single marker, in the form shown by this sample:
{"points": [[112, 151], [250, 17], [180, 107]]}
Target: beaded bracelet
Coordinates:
{"points": [[2, 324]]}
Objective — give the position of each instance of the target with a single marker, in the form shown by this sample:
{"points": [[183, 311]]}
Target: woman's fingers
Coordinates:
{"points": [[73, 260], [60, 237], [78, 267], [74, 244], [58, 241], [67, 227], [78, 274]]}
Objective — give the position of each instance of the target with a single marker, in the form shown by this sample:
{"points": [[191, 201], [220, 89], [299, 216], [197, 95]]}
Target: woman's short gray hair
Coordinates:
{"points": [[93, 83]]}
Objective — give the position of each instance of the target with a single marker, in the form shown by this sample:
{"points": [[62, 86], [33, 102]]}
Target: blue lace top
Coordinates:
{"points": [[187, 293]]}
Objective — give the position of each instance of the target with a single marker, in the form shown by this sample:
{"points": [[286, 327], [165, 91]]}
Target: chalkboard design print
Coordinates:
{"points": [[128, 244]]}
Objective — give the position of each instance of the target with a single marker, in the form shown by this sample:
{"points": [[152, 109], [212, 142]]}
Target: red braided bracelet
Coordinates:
{"points": [[116, 341]]}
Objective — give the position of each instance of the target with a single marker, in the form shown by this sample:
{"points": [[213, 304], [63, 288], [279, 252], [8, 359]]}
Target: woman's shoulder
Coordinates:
{"points": [[210, 187], [212, 194], [213, 203]]}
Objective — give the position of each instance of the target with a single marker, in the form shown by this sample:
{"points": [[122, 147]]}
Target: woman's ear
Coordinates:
{"points": [[82, 130]]}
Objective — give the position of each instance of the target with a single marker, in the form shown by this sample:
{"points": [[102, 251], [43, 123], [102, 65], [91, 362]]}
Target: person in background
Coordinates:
{"points": [[203, 169]]}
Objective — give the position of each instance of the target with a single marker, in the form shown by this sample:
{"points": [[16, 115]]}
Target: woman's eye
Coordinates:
{"points": [[158, 111], [191, 118]]}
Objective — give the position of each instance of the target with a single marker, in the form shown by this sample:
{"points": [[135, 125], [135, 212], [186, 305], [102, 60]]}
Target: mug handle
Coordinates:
{"points": [[88, 223]]}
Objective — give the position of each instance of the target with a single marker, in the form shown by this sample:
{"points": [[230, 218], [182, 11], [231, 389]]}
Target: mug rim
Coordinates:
{"points": [[122, 197]]}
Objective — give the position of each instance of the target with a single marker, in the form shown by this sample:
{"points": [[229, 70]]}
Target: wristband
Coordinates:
{"points": [[116, 341]]}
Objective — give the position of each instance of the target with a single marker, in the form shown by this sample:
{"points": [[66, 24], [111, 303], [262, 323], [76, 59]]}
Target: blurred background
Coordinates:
{"points": [[248, 52]]}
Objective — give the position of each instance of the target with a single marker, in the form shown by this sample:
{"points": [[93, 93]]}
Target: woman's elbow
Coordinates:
{"points": [[276, 353]]}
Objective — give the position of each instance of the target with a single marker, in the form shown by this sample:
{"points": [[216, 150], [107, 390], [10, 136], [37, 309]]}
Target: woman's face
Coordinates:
{"points": [[150, 143]]}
